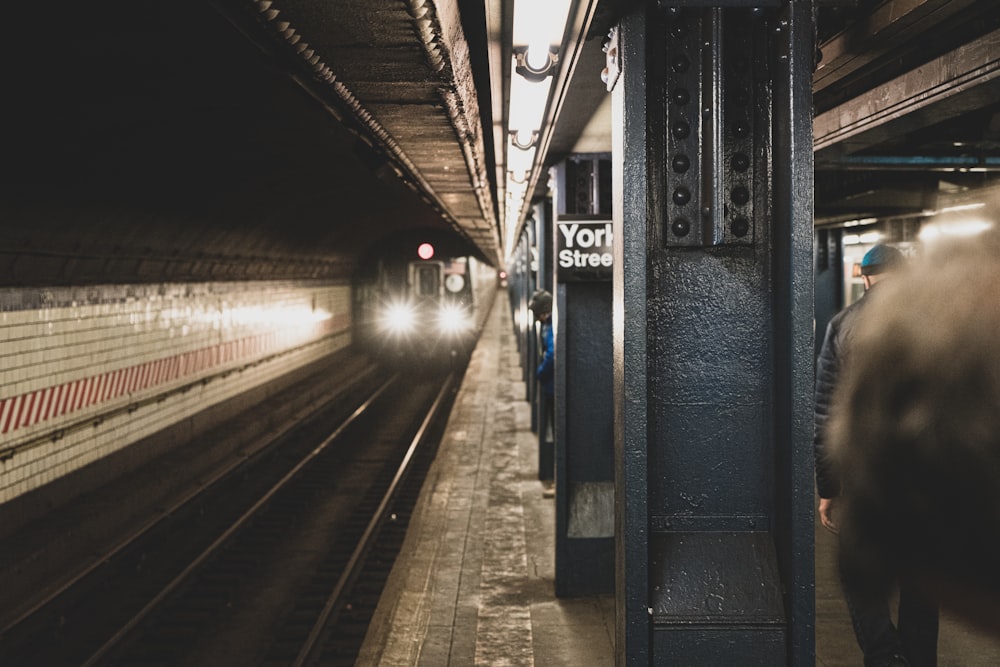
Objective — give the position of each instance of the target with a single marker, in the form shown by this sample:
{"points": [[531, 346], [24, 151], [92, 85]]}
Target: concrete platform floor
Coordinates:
{"points": [[958, 644], [474, 583]]}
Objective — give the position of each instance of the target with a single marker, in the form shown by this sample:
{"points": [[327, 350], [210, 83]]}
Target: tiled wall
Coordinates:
{"points": [[85, 372]]}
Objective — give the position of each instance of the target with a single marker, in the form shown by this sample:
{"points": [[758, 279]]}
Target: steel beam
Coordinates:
{"points": [[713, 307], [964, 80]]}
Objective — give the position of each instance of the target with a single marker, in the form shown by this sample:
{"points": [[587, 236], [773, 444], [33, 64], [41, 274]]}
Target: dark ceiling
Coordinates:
{"points": [[907, 100], [191, 140], [248, 139]]}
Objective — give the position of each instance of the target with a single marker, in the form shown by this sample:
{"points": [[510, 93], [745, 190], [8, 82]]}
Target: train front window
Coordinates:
{"points": [[428, 280]]}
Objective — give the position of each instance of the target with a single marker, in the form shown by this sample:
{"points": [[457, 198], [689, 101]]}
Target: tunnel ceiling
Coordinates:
{"points": [[149, 141], [250, 139], [907, 102]]}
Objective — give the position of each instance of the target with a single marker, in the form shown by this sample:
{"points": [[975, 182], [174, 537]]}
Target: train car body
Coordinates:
{"points": [[420, 312]]}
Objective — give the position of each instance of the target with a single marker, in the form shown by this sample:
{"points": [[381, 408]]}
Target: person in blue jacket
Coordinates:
{"points": [[541, 306]]}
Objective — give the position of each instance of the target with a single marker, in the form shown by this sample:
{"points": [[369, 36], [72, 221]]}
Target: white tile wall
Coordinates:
{"points": [[53, 358]]}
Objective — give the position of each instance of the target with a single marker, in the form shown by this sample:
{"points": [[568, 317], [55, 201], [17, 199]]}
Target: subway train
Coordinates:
{"points": [[417, 307]]}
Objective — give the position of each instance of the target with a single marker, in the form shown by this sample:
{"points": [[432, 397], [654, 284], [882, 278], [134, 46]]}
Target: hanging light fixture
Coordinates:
{"points": [[535, 63], [538, 31]]}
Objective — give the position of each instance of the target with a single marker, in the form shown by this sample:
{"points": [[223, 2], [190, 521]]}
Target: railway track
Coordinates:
{"points": [[264, 567]]}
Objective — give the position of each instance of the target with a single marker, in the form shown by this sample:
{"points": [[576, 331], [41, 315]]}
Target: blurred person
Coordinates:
{"points": [[912, 640], [915, 434], [541, 306]]}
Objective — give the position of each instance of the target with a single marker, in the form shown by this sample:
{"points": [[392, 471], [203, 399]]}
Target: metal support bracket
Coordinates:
{"points": [[712, 128]]}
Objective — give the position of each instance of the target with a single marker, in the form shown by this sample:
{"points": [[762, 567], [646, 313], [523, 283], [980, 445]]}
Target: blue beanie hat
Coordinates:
{"points": [[880, 258]]}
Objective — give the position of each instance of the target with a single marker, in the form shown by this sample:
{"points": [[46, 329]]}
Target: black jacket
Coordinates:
{"points": [[828, 366]]}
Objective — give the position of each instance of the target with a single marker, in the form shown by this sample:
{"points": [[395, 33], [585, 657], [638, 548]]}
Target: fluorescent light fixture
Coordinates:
{"points": [[535, 64], [537, 34], [859, 221], [868, 238], [538, 59], [523, 139], [962, 207], [937, 230], [539, 24], [519, 162], [527, 103]]}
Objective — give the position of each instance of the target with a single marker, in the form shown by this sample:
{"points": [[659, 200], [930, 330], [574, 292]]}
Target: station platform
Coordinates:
{"points": [[475, 581]]}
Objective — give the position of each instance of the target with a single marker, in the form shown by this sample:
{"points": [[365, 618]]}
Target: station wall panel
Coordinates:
{"points": [[85, 372]]}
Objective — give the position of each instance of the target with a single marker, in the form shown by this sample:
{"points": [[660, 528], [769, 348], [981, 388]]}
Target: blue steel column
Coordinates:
{"points": [[829, 277], [795, 300], [630, 185], [519, 285], [584, 452], [529, 353], [713, 306]]}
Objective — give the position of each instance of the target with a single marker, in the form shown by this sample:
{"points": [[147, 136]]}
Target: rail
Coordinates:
{"points": [[312, 642], [219, 542]]}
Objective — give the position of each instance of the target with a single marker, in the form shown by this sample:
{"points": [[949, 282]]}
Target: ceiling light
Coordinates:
{"points": [[523, 139], [538, 31], [535, 63], [527, 104], [959, 228], [519, 162], [539, 23], [962, 207]]}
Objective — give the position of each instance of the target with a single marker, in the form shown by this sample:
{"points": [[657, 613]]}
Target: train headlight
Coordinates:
{"points": [[399, 318], [453, 319]]}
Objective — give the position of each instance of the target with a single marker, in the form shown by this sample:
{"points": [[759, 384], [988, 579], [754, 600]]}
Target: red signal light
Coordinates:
{"points": [[425, 251]]}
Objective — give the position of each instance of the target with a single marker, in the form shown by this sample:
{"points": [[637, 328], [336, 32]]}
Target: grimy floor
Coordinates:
{"points": [[474, 583], [958, 644]]}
